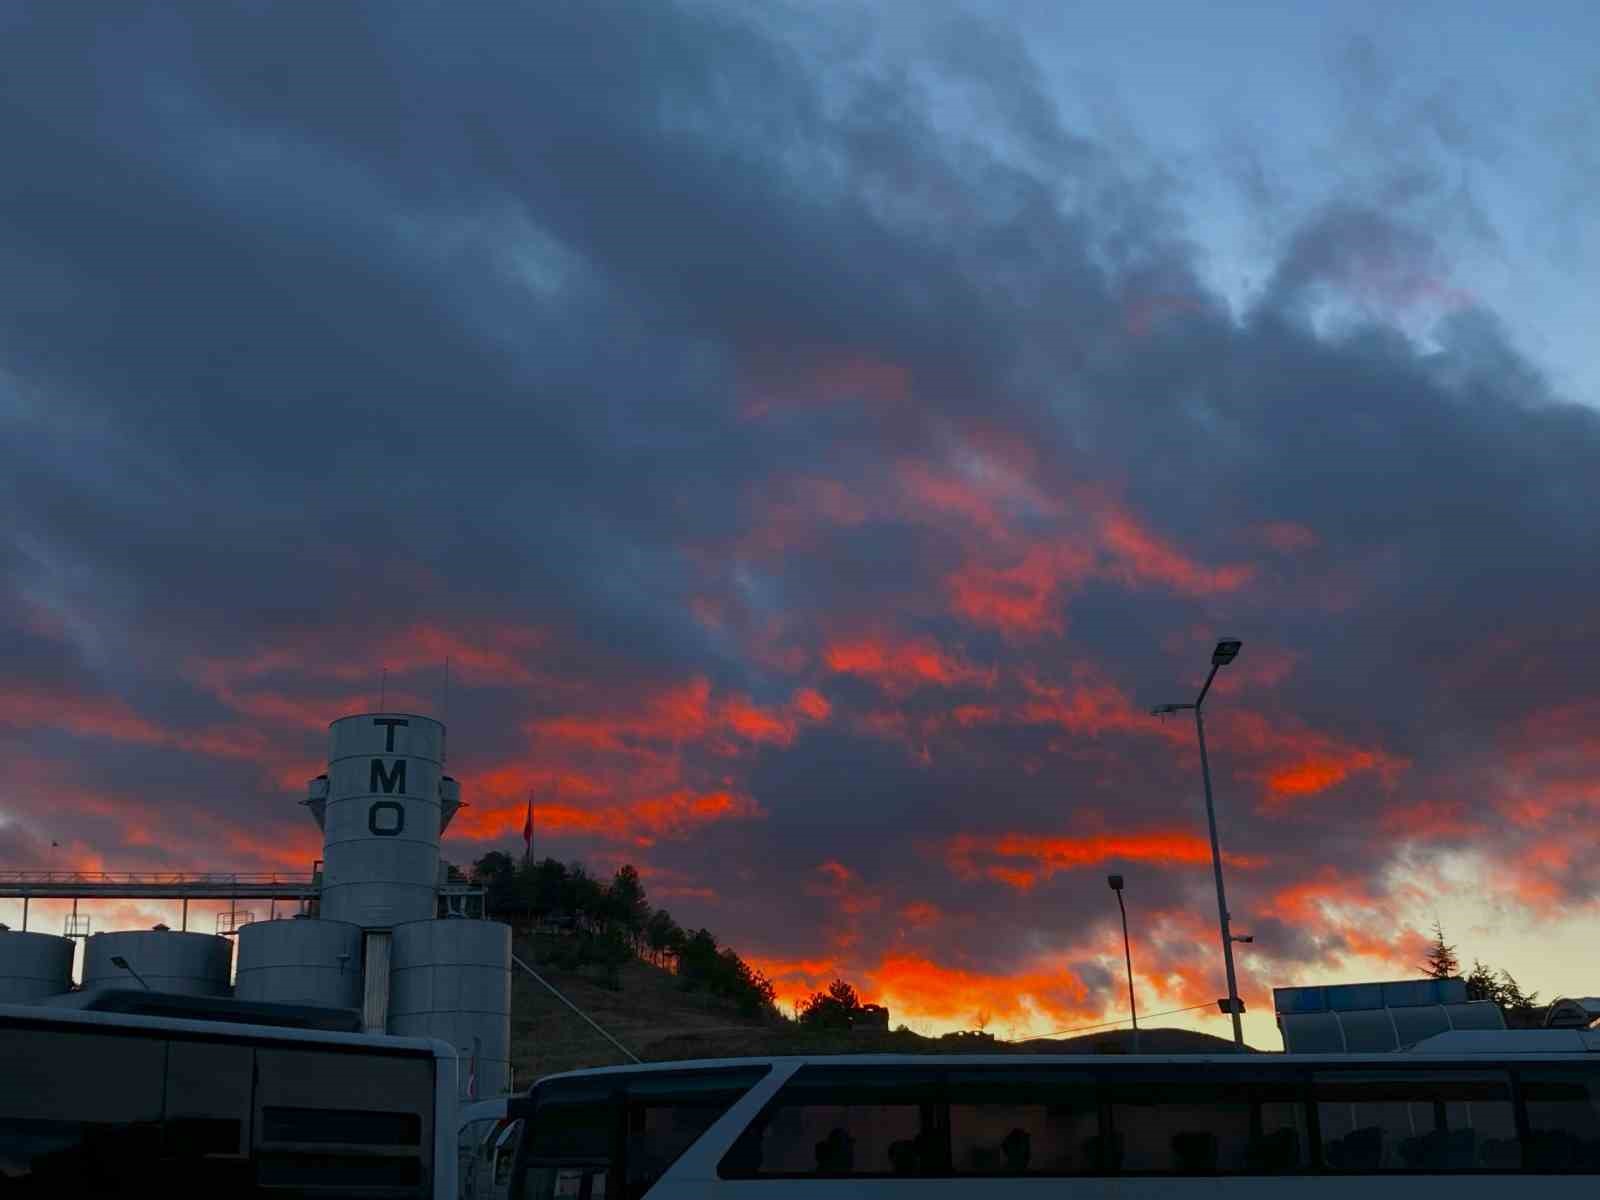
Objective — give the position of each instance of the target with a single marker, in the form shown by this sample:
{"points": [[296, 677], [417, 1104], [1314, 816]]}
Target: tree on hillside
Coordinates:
{"points": [[662, 936], [836, 1008], [496, 874], [626, 905], [1441, 961], [549, 887], [585, 898], [697, 959]]}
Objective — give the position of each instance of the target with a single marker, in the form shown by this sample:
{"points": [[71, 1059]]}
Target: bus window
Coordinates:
{"points": [[326, 1119], [79, 1113], [1406, 1121], [571, 1137], [1187, 1126], [840, 1121], [505, 1155], [207, 1099], [205, 1138], [1563, 1108], [668, 1112], [1023, 1122]]}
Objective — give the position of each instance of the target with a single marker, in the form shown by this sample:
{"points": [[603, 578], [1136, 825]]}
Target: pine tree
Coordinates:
{"points": [[1442, 962], [1483, 983], [1512, 998]]}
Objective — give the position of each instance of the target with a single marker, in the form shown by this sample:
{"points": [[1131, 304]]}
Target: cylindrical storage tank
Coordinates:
{"points": [[33, 965], [300, 962], [451, 979], [191, 964], [380, 849]]}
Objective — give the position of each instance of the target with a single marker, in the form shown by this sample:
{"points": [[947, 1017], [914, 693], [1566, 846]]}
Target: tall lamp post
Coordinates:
{"points": [[1227, 650], [1133, 1011]]}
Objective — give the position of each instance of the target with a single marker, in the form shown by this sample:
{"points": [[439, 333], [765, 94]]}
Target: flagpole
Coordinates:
{"points": [[527, 834]]}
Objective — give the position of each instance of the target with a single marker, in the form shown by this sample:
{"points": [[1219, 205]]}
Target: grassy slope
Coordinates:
{"points": [[658, 1021]]}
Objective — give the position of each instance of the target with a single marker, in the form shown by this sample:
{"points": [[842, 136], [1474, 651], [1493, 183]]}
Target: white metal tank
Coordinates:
{"points": [[382, 820], [451, 979], [192, 964], [33, 965], [300, 961]]}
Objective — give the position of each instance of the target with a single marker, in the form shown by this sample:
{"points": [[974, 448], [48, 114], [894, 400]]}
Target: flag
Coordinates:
{"points": [[527, 830]]}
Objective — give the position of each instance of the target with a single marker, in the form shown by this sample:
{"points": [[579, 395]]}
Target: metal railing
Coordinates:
{"points": [[156, 878]]}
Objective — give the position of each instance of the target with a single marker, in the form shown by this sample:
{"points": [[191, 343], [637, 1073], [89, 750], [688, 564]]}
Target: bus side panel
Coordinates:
{"points": [[1301, 1187]]}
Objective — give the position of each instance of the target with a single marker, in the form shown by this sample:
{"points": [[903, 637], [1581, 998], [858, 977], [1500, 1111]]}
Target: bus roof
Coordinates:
{"points": [[89, 1018], [1506, 1044]]}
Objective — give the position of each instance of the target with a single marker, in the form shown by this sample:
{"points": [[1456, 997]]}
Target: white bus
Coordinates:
{"points": [[108, 1104], [487, 1149], [1477, 1110]]}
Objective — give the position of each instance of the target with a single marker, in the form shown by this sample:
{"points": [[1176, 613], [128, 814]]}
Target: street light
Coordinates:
{"points": [[1226, 651], [118, 961], [1133, 1012]]}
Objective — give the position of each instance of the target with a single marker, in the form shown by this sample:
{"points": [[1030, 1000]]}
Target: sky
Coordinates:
{"points": [[815, 435]]}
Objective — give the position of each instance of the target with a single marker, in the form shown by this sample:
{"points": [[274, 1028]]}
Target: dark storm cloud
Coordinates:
{"points": [[772, 462]]}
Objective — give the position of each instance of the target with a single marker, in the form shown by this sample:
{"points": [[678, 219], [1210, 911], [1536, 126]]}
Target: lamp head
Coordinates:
{"points": [[118, 961], [1115, 881], [1227, 650]]}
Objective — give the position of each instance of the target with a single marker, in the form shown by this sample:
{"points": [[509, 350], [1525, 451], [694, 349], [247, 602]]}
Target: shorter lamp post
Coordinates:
{"points": [[1127, 954]]}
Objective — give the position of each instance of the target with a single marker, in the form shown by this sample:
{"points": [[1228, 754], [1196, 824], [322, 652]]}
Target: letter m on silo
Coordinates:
{"points": [[388, 780]]}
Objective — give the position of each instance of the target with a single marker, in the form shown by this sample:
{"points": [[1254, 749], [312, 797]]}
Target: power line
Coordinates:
{"points": [[551, 988], [1113, 1024]]}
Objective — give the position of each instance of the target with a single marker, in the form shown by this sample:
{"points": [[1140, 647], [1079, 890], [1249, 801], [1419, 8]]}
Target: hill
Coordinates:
{"points": [[650, 1013]]}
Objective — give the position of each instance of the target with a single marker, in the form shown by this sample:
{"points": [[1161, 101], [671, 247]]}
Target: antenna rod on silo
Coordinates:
{"points": [[445, 739]]}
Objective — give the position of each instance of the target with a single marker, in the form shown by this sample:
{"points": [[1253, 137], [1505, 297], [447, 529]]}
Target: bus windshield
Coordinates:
{"points": [[607, 1136]]}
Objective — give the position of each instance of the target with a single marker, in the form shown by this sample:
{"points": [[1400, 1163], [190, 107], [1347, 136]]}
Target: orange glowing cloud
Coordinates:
{"points": [[1023, 598], [1143, 557], [686, 713], [1025, 859], [922, 989], [25, 706], [1430, 819], [1301, 762], [845, 888], [902, 666], [641, 823]]}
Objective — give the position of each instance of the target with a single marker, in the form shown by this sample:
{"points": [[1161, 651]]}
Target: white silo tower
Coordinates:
{"points": [[380, 856], [382, 806]]}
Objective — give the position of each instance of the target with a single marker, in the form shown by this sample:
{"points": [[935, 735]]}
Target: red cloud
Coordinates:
{"points": [[1020, 599], [902, 666], [642, 822], [1026, 858], [920, 988], [686, 713], [1296, 762], [1143, 557], [28, 706]]}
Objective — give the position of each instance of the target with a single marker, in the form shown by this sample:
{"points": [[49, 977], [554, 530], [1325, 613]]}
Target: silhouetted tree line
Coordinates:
{"points": [[613, 922], [1483, 981]]}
